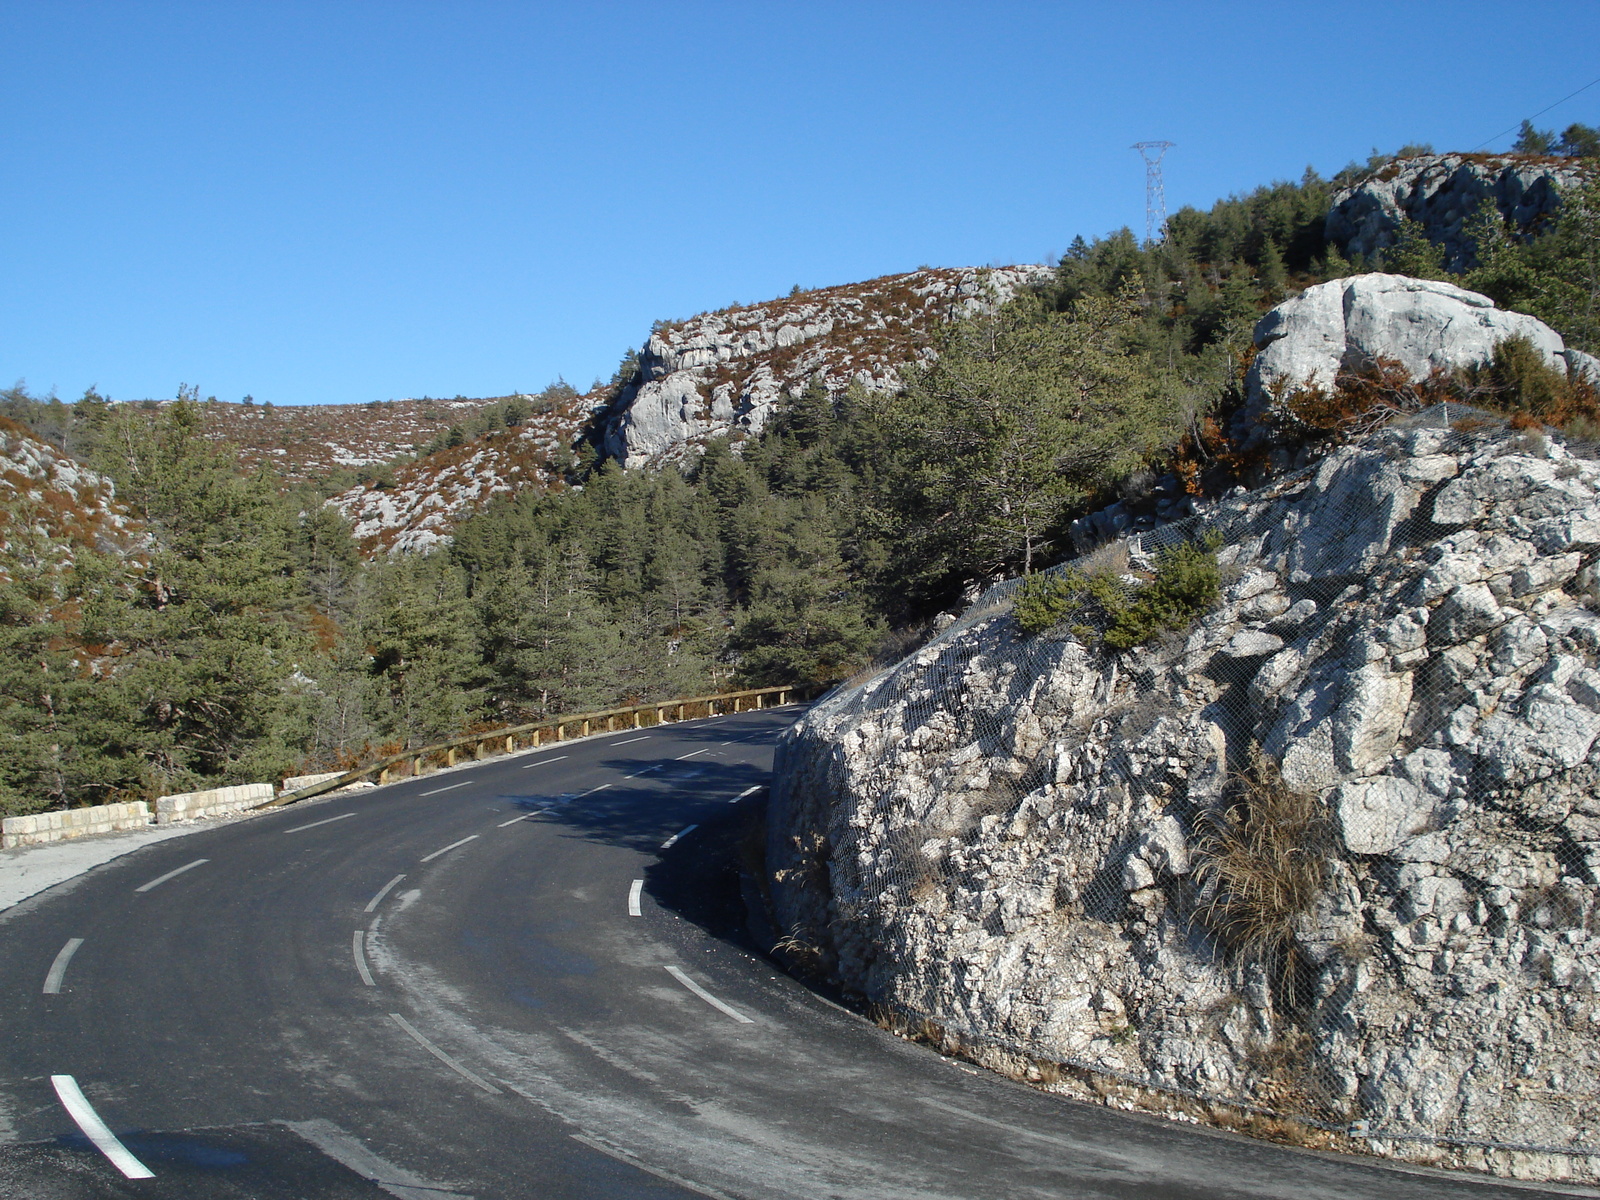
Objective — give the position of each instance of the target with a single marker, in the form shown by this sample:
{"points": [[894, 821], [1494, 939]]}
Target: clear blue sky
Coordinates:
{"points": [[335, 202]]}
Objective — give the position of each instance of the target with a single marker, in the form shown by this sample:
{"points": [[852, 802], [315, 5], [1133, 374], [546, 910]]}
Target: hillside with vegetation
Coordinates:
{"points": [[252, 637]]}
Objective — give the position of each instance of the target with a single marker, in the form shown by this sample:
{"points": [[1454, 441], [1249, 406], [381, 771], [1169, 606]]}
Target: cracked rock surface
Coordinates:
{"points": [[1009, 834]]}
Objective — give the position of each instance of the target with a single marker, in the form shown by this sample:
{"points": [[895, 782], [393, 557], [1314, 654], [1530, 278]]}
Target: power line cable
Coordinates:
{"points": [[1536, 115]]}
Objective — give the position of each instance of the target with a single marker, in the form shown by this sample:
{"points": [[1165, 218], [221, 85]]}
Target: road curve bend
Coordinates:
{"points": [[525, 977]]}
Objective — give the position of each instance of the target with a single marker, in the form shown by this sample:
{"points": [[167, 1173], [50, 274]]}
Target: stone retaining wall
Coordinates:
{"points": [[215, 803], [40, 828]]}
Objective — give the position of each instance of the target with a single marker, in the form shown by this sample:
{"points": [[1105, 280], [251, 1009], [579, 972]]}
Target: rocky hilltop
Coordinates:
{"points": [[721, 373], [1441, 192], [1332, 853], [311, 441], [415, 507]]}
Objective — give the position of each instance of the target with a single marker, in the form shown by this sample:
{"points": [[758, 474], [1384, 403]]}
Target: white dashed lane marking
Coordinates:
{"points": [[314, 824], [679, 974], [443, 1057], [58, 969], [160, 879], [523, 817], [470, 837], [382, 892], [359, 950], [542, 761], [633, 898], [82, 1112], [673, 840]]}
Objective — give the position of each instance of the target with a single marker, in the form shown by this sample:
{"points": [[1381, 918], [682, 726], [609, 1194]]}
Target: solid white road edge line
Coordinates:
{"points": [[673, 840], [646, 771], [633, 898], [470, 837], [678, 974], [360, 953], [631, 741], [692, 753], [82, 1112], [451, 788], [593, 790], [314, 824], [58, 969], [382, 892], [622, 1156], [542, 761], [749, 791], [514, 820], [160, 879], [443, 1057]]}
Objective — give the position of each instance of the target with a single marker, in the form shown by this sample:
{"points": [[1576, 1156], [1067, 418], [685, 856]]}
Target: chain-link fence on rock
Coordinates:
{"points": [[1329, 852]]}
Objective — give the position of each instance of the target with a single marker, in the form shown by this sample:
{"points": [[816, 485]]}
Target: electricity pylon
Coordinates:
{"points": [[1155, 192]]}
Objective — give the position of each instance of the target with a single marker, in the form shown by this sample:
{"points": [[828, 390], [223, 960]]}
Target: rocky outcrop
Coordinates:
{"points": [[1441, 192], [416, 510], [1346, 324], [51, 506], [720, 374], [1052, 848]]}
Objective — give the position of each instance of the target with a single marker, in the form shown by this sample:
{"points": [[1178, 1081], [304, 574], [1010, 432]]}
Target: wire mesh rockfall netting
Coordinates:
{"points": [[1325, 847]]}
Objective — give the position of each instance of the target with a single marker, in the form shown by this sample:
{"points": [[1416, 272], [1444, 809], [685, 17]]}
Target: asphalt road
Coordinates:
{"points": [[497, 982]]}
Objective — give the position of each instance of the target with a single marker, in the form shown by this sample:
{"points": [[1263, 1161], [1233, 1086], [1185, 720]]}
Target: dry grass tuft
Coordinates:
{"points": [[1263, 864]]}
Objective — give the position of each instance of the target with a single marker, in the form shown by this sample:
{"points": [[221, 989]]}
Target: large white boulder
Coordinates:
{"points": [[1422, 324]]}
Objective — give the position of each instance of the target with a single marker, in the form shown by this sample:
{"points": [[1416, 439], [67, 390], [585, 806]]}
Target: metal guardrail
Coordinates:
{"points": [[505, 740]]}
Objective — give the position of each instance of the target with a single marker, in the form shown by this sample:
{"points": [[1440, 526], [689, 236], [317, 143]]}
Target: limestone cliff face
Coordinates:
{"points": [[1441, 191], [1021, 837], [720, 374]]}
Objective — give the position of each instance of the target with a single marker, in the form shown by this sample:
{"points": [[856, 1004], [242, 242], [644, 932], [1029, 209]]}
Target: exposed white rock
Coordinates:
{"points": [[1003, 833], [1346, 323], [53, 506], [721, 373]]}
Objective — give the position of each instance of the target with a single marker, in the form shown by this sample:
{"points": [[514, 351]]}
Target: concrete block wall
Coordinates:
{"points": [[40, 828], [215, 803]]}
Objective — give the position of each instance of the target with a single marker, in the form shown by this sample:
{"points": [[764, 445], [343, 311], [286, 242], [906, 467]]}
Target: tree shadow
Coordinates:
{"points": [[697, 878]]}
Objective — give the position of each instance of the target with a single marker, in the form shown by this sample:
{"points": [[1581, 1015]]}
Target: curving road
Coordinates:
{"points": [[500, 982]]}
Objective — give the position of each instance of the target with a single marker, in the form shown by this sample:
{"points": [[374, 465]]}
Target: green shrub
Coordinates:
{"points": [[1044, 601], [1187, 582]]}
